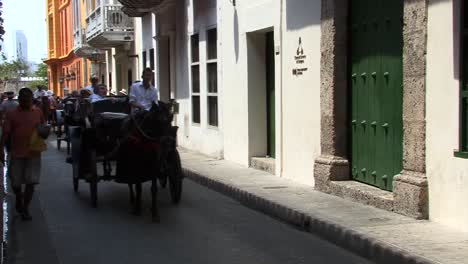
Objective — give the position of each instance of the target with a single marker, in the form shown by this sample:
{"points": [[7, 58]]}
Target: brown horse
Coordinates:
{"points": [[147, 146]]}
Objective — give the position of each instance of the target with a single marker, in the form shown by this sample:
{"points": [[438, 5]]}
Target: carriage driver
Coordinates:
{"points": [[143, 94]]}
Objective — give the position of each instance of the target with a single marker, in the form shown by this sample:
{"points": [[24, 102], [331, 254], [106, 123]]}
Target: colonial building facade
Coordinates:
{"points": [[365, 103], [102, 44], [64, 68]]}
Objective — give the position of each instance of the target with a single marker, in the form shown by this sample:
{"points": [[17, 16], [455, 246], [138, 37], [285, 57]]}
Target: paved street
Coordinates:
{"points": [[205, 228]]}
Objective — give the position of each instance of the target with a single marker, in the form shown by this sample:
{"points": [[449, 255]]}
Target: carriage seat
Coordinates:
{"points": [[109, 124], [111, 116]]}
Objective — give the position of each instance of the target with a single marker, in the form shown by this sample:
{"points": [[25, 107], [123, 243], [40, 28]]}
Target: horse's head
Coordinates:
{"points": [[156, 122]]}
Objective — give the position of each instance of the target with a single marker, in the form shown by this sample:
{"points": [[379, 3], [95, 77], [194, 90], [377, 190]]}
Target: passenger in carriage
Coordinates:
{"points": [[143, 94], [100, 94], [94, 83]]}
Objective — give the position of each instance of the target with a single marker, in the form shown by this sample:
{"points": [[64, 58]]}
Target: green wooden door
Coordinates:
{"points": [[376, 41], [270, 92]]}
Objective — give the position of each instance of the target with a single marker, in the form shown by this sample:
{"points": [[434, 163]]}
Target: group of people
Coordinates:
{"points": [[141, 94], [20, 120]]}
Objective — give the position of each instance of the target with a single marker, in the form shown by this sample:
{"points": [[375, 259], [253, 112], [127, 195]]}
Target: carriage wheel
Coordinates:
{"points": [[75, 177], [76, 148], [93, 190], [175, 176], [93, 179], [154, 203]]}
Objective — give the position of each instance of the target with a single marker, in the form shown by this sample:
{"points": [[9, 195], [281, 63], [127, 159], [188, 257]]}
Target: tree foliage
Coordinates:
{"points": [[13, 70], [41, 70]]}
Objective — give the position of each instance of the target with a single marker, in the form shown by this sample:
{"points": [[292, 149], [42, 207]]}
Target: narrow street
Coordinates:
{"points": [[205, 228]]}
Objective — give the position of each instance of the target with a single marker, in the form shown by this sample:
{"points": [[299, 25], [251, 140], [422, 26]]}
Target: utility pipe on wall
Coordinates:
{"points": [[281, 88]]}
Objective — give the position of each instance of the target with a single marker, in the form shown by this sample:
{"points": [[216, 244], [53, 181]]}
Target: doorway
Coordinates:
{"points": [[261, 93], [270, 93], [376, 78]]}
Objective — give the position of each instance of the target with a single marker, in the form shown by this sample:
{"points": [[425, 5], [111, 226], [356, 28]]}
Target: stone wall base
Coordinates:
{"points": [[362, 193], [410, 192], [409, 196], [330, 168]]}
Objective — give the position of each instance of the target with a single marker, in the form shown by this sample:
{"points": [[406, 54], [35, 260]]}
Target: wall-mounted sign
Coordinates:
{"points": [[299, 59]]}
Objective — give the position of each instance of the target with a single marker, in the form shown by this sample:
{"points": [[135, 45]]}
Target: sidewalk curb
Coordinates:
{"points": [[359, 243]]}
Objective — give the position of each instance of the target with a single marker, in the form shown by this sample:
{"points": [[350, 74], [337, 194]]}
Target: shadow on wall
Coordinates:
{"points": [[182, 60], [302, 13], [456, 7], [236, 35]]}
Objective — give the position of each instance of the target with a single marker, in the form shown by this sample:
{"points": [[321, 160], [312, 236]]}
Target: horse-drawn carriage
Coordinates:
{"points": [[110, 144]]}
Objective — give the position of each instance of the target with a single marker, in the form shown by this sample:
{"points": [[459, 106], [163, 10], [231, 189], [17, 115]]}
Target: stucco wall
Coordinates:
{"points": [[301, 93], [236, 24], [447, 175], [297, 96], [198, 137]]}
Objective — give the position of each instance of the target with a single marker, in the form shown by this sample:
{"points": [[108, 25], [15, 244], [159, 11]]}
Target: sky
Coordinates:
{"points": [[29, 16]]}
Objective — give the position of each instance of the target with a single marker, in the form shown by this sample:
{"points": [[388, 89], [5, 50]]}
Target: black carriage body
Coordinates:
{"points": [[106, 134], [109, 134]]}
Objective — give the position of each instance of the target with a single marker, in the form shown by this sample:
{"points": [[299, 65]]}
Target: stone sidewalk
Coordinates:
{"points": [[378, 235]]}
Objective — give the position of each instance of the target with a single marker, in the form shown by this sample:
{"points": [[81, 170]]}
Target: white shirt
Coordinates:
{"points": [[144, 96], [38, 93], [90, 88], [96, 98]]}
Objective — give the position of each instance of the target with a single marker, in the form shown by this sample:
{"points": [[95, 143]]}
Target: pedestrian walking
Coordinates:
{"points": [[24, 164], [39, 93], [8, 104]]}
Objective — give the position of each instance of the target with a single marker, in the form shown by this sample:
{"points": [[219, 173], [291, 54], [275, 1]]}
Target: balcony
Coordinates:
{"points": [[107, 26], [80, 44]]}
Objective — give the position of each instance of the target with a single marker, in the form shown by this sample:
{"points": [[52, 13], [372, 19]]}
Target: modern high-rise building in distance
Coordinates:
{"points": [[21, 45]]}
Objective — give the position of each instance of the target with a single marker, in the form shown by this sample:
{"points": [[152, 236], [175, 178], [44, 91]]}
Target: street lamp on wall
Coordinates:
{"points": [[233, 2]]}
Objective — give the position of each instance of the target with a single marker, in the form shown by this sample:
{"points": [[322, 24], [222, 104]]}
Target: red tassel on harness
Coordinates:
{"points": [[136, 142]]}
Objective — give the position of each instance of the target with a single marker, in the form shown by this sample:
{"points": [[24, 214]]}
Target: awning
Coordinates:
{"points": [[138, 8], [140, 4], [134, 12]]}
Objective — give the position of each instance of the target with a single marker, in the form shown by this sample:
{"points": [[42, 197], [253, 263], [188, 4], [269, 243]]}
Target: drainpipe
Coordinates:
{"points": [[281, 87]]}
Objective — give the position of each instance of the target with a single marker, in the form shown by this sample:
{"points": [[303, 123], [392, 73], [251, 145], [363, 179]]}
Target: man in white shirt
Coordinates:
{"points": [[40, 92], [94, 83], [100, 94], [144, 94]]}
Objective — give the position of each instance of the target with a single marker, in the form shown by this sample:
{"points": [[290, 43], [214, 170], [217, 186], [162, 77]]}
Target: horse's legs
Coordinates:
{"points": [[137, 205], [154, 202], [132, 194]]}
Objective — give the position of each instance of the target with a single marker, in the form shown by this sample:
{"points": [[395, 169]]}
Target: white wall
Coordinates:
{"points": [[447, 175], [297, 97], [198, 137], [136, 59], [301, 93], [235, 25]]}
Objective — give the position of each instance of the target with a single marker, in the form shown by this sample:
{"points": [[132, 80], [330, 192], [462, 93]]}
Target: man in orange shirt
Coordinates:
{"points": [[24, 166]]}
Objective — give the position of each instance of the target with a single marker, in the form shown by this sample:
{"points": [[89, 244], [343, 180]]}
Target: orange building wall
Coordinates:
{"points": [[64, 68]]}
